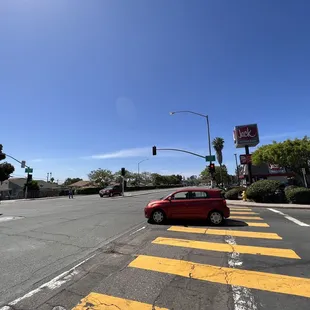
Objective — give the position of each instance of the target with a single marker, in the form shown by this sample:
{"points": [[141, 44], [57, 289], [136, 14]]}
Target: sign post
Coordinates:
{"points": [[246, 136]]}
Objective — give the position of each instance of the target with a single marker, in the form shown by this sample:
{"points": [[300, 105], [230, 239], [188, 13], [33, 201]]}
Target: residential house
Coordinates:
{"points": [[13, 188]]}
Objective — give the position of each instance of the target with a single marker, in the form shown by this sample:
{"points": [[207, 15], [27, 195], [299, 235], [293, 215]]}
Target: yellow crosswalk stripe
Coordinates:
{"points": [[243, 212], [241, 217], [253, 224], [225, 232], [246, 278], [224, 247], [95, 301]]}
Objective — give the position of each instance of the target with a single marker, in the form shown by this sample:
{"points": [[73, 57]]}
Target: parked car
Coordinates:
{"points": [[190, 203], [110, 191]]}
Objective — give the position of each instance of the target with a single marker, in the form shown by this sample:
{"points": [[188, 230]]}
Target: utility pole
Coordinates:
{"points": [[247, 152]]}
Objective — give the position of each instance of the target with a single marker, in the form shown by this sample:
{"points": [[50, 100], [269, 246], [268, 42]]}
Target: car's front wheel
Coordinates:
{"points": [[158, 217], [216, 218]]}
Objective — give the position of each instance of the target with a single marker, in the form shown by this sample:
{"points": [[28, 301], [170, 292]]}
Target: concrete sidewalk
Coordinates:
{"points": [[241, 203]]}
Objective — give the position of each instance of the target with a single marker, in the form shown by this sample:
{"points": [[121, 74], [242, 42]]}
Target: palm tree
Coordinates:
{"points": [[218, 145]]}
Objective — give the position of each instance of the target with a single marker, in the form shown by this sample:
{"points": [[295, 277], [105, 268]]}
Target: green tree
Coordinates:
{"points": [[218, 145], [6, 169], [157, 179], [220, 174], [33, 186], [193, 180], [145, 178], [290, 154], [101, 177], [70, 181]]}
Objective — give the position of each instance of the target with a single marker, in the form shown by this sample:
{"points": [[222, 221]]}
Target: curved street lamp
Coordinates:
{"points": [[139, 168], [208, 129]]}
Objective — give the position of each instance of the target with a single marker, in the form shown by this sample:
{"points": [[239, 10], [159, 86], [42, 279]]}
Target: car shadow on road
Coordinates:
{"points": [[186, 223]]}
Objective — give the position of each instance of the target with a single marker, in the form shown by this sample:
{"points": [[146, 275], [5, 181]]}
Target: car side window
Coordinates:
{"points": [[199, 195], [181, 195]]}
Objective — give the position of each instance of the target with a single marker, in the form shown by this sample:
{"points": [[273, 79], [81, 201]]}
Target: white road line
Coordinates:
{"points": [[242, 296], [52, 284], [290, 218], [10, 218], [134, 232]]}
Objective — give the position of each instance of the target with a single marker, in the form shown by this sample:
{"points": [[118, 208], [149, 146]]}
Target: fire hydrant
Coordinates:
{"points": [[244, 195]]}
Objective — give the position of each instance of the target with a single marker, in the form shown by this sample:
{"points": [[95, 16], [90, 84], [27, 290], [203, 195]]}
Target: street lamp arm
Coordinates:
{"points": [[7, 155], [192, 112], [142, 161]]}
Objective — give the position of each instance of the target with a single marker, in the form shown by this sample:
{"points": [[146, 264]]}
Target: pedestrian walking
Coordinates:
{"points": [[70, 193]]}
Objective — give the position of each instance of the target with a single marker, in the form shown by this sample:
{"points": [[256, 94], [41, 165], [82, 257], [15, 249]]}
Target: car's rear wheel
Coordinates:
{"points": [[158, 216], [216, 218]]}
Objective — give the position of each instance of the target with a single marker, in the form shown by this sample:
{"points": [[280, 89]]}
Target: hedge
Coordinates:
{"points": [[233, 194], [264, 191], [299, 195]]}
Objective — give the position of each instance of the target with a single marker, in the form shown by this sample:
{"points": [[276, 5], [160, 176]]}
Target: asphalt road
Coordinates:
{"points": [[259, 259], [40, 238]]}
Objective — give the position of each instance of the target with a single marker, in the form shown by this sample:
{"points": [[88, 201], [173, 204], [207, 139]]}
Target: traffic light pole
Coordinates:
{"points": [[26, 189], [183, 151], [209, 141]]}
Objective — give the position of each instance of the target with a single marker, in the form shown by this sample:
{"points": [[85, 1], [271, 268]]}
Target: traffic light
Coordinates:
{"points": [[212, 168], [123, 172], [29, 178], [154, 150]]}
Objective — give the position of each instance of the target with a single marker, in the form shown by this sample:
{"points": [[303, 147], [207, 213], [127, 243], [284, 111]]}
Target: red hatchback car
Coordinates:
{"points": [[189, 203]]}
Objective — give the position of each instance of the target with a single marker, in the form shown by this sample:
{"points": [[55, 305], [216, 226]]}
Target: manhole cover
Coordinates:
{"points": [[59, 308]]}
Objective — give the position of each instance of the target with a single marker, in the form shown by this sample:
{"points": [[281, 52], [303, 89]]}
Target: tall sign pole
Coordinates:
{"points": [[246, 136]]}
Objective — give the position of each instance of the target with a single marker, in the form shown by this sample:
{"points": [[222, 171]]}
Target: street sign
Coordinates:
{"points": [[23, 164], [28, 170], [245, 159], [210, 158]]}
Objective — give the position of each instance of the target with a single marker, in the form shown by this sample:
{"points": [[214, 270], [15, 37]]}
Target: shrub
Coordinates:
{"points": [[88, 191], [290, 187], [233, 194], [264, 191], [299, 195]]}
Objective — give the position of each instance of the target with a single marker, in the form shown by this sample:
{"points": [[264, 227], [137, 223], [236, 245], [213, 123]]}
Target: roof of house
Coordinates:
{"points": [[47, 185], [82, 184], [18, 181]]}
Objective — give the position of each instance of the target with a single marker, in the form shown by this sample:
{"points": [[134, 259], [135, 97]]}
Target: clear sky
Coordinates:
{"points": [[89, 84]]}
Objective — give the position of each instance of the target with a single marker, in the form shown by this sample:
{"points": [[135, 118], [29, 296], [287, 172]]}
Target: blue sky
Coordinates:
{"points": [[89, 84]]}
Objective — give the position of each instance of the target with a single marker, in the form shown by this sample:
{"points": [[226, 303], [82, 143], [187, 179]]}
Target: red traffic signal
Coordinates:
{"points": [[212, 168], [154, 150]]}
